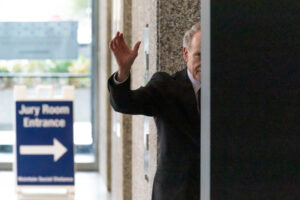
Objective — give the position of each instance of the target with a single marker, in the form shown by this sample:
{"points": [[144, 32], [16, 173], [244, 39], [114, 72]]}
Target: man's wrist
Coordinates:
{"points": [[122, 76], [117, 81]]}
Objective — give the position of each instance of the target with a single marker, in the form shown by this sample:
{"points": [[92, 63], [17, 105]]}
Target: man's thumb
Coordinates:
{"points": [[136, 47]]}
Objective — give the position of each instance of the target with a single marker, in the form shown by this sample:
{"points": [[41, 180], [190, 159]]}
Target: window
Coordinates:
{"points": [[50, 43]]}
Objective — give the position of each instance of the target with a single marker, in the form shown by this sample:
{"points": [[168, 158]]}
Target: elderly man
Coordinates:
{"points": [[174, 102]]}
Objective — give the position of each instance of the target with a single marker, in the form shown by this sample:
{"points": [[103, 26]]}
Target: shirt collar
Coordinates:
{"points": [[196, 84]]}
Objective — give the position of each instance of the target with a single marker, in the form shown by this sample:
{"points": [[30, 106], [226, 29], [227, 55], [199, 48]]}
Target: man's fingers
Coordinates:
{"points": [[113, 42], [122, 39], [115, 36], [136, 47], [123, 45], [113, 46], [118, 44], [117, 41]]}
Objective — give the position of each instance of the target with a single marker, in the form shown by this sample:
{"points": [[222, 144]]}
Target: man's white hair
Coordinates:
{"points": [[188, 36]]}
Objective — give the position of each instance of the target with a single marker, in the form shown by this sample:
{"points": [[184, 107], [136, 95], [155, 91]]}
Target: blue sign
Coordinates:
{"points": [[44, 143], [38, 40]]}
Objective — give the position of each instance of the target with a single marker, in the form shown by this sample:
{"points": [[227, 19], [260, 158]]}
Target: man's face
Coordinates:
{"points": [[192, 56]]}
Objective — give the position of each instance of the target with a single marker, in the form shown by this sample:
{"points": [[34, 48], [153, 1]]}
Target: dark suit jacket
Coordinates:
{"points": [[172, 102]]}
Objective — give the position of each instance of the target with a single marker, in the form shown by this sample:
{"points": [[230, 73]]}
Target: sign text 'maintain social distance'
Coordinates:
{"points": [[44, 109]]}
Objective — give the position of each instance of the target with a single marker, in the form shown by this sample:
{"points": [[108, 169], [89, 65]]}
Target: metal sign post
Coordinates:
{"points": [[44, 149]]}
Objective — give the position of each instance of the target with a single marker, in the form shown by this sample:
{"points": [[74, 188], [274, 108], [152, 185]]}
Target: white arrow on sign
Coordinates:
{"points": [[57, 150]]}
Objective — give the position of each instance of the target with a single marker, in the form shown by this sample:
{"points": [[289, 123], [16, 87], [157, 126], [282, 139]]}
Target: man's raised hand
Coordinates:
{"points": [[124, 56]]}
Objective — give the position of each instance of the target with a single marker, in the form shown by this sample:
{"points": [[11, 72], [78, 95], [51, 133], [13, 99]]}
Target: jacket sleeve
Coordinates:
{"points": [[144, 100]]}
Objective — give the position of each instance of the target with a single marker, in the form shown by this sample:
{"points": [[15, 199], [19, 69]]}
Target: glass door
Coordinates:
{"points": [[48, 42]]}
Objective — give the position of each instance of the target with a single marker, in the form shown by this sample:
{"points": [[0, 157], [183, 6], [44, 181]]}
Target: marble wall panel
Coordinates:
{"points": [[174, 18]]}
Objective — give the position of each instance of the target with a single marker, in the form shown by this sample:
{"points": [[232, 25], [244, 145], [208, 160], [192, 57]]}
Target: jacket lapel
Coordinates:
{"points": [[190, 98]]}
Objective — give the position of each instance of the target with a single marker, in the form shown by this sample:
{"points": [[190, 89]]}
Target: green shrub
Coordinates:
{"points": [[61, 67], [3, 69]]}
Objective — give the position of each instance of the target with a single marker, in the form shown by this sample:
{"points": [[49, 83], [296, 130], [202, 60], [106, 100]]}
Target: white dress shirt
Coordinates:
{"points": [[118, 82], [196, 84]]}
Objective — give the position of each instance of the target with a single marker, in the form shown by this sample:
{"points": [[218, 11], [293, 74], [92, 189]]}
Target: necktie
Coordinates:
{"points": [[199, 99]]}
